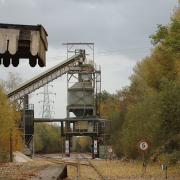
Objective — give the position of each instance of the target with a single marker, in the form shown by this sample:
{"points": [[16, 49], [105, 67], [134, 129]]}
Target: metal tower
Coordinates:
{"points": [[83, 100], [47, 102]]}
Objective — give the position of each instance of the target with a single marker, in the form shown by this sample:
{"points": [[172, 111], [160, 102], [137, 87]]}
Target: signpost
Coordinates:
{"points": [[110, 152], [11, 146], [164, 168], [143, 147]]}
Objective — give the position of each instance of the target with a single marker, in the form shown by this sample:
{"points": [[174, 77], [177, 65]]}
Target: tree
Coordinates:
{"points": [[82, 144], [12, 81], [47, 138], [9, 119], [149, 106]]}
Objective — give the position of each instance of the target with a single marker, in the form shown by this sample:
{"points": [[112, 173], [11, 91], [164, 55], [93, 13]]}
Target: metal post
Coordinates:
{"points": [[144, 164], [93, 53], [62, 129], [67, 50], [100, 94], [78, 169], [24, 123], [92, 147], [33, 148], [11, 146], [164, 168], [62, 145]]}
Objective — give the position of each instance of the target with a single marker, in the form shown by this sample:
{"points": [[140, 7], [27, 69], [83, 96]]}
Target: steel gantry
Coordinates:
{"points": [[83, 101]]}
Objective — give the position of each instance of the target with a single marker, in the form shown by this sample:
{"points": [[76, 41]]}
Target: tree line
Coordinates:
{"points": [[9, 128], [150, 106]]}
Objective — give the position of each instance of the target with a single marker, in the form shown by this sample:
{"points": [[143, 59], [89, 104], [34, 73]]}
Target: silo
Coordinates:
{"points": [[81, 93]]}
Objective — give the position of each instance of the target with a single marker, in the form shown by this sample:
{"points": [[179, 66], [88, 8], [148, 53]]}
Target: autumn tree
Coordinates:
{"points": [[149, 106], [9, 120], [11, 82], [47, 138]]}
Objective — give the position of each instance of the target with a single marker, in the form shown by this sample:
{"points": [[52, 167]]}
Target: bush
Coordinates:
{"points": [[9, 121], [170, 159], [47, 138]]}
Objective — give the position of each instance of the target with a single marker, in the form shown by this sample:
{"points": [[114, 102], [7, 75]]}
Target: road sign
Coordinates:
{"points": [[110, 150], [143, 145]]}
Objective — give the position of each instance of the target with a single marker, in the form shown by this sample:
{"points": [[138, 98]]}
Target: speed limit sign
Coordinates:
{"points": [[110, 150], [143, 145]]}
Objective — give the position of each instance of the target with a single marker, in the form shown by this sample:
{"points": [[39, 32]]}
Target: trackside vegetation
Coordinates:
{"points": [[150, 106], [9, 128]]}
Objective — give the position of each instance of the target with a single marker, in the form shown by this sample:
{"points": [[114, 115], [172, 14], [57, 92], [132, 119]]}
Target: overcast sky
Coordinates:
{"points": [[120, 30]]}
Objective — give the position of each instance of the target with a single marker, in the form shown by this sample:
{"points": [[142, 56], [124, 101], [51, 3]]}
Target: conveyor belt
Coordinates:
{"points": [[46, 77]]}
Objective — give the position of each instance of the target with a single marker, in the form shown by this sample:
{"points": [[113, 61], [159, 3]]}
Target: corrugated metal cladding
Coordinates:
{"points": [[81, 98], [23, 42]]}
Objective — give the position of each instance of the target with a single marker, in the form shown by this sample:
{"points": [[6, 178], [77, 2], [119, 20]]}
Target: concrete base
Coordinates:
{"points": [[52, 173]]}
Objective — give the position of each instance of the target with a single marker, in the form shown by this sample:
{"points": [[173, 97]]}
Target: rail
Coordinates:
{"points": [[76, 164], [94, 167]]}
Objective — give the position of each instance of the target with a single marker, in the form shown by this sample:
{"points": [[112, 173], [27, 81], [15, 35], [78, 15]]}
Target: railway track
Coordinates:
{"points": [[78, 161], [60, 161], [93, 166]]}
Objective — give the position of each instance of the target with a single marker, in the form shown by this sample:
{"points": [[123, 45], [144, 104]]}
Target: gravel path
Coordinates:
{"points": [[21, 171]]}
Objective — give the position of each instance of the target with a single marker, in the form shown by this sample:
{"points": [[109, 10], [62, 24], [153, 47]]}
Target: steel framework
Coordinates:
{"points": [[78, 69]]}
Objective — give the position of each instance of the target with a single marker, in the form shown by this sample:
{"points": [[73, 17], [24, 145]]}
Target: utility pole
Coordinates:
{"points": [[10, 146], [78, 168]]}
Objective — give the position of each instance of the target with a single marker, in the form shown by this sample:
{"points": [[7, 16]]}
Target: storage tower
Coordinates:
{"points": [[83, 105]]}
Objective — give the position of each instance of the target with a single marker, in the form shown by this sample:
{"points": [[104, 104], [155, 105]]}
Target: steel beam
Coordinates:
{"points": [[95, 119]]}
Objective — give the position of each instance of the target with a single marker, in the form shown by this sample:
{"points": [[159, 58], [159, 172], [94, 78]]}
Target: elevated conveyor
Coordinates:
{"points": [[47, 76]]}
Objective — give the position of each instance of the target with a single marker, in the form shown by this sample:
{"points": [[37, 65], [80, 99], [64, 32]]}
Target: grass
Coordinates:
{"points": [[86, 173], [117, 170], [111, 170]]}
